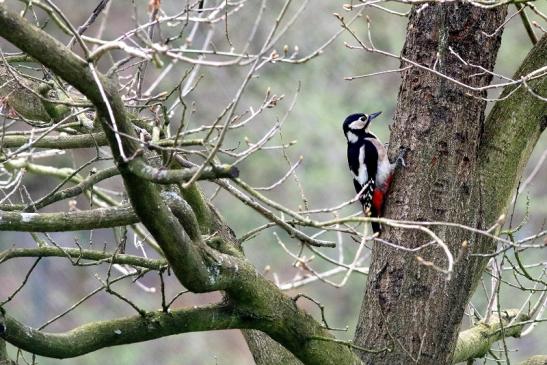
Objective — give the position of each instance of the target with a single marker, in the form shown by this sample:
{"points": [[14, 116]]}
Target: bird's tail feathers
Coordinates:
{"points": [[376, 227]]}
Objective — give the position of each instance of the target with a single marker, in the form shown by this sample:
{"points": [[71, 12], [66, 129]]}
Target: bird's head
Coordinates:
{"points": [[356, 125]]}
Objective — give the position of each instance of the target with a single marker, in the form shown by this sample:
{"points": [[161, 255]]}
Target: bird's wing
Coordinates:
{"points": [[362, 160], [353, 157], [371, 159]]}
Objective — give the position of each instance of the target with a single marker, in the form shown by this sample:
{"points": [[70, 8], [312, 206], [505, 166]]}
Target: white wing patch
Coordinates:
{"points": [[362, 176]]}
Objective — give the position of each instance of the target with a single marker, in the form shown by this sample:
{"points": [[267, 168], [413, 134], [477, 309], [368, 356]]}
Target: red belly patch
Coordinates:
{"points": [[379, 194], [378, 200]]}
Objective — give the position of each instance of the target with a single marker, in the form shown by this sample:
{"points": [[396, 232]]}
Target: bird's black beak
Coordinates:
{"points": [[373, 115]]}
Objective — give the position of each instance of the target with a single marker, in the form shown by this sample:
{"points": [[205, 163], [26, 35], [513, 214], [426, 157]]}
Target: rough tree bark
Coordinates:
{"points": [[460, 169]]}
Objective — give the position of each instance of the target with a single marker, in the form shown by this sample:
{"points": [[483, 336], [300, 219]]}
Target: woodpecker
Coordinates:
{"points": [[368, 162]]}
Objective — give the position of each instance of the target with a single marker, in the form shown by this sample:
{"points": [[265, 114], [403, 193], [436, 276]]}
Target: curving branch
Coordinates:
{"points": [[97, 335], [159, 176], [511, 131], [472, 343], [87, 183]]}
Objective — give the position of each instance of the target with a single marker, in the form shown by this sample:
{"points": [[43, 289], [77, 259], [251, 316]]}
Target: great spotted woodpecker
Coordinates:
{"points": [[368, 162]]}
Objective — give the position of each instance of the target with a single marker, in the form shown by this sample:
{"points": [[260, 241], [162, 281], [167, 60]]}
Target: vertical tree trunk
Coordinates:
{"points": [[411, 308]]}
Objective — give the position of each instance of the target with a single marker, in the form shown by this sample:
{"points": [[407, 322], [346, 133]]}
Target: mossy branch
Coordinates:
{"points": [[97, 335], [68, 221], [61, 142], [195, 198], [477, 341], [511, 131]]}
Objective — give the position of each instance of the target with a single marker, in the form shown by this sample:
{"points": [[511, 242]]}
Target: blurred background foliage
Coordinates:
{"points": [[324, 99]]}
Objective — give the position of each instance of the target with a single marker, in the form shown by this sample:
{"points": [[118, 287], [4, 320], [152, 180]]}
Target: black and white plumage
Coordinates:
{"points": [[368, 162]]}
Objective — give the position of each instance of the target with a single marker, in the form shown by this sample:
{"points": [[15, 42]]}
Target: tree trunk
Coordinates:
{"points": [[409, 307]]}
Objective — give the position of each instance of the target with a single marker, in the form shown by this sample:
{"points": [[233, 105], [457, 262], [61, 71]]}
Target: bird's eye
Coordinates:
{"points": [[364, 118]]}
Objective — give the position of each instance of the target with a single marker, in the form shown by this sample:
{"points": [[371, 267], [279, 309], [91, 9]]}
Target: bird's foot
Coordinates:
{"points": [[400, 161]]}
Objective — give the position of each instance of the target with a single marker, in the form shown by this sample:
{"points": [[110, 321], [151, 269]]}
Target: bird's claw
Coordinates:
{"points": [[401, 157]]}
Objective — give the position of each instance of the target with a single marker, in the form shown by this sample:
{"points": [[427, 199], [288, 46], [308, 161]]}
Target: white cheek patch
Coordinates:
{"points": [[352, 137], [358, 124]]}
